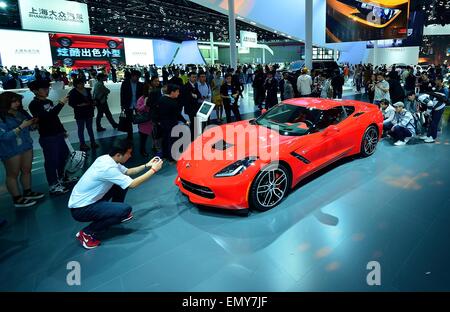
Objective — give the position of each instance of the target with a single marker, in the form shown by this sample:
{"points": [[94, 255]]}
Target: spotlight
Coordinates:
{"points": [[3, 5]]}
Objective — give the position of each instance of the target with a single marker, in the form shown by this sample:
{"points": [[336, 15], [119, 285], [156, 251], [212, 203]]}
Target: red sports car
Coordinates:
{"points": [[300, 135]]}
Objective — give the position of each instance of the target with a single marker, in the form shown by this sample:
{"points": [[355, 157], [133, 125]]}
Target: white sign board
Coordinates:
{"points": [[25, 48], [139, 52], [56, 16], [249, 39]]}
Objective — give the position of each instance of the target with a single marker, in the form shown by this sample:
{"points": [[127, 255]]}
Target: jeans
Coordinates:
{"points": [[103, 109], [81, 123], [435, 119], [55, 152], [400, 133], [104, 213]]}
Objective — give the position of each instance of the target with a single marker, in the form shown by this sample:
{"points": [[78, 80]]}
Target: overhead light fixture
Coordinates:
{"points": [[3, 5], [253, 23]]}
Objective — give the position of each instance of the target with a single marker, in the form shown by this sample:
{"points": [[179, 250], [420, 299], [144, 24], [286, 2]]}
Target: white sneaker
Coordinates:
{"points": [[400, 143], [407, 139], [429, 140], [423, 137], [58, 189]]}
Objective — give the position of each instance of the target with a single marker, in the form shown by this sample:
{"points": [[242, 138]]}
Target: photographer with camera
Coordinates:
{"points": [[107, 179]]}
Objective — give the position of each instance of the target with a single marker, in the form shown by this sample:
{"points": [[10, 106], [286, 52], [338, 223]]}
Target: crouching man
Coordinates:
{"points": [[403, 128], [388, 114], [99, 195]]}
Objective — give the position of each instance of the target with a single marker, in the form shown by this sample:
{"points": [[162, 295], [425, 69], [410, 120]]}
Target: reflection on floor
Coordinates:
{"points": [[392, 208]]}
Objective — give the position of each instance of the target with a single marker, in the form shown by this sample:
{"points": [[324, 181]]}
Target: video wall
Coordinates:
{"points": [[29, 49], [361, 20], [414, 34]]}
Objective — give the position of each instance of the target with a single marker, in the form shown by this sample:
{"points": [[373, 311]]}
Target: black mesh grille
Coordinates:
{"points": [[198, 189]]}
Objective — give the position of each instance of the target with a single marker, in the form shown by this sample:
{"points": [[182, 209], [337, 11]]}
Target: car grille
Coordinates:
{"points": [[198, 189]]}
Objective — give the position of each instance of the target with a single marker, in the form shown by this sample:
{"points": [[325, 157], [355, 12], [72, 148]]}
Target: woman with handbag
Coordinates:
{"points": [[145, 128], [16, 149], [80, 99]]}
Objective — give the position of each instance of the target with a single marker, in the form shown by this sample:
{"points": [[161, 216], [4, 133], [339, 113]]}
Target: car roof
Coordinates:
{"points": [[319, 103]]}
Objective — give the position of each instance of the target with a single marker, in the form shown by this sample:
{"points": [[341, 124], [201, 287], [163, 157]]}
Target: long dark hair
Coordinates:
{"points": [[6, 99]]}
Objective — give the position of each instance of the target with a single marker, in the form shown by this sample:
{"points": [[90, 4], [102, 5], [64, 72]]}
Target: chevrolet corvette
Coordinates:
{"points": [[302, 136]]}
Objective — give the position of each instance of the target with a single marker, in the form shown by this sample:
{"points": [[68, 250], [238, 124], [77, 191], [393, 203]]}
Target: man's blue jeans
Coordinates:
{"points": [[104, 213], [435, 118]]}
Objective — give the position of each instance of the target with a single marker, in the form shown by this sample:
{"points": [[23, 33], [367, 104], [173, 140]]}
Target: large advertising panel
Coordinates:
{"points": [[139, 51], [51, 15], [363, 20], [414, 35], [80, 51], [24, 48], [248, 39]]}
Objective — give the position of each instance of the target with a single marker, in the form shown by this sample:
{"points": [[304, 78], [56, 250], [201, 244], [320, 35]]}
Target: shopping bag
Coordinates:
{"points": [[76, 160], [123, 122]]}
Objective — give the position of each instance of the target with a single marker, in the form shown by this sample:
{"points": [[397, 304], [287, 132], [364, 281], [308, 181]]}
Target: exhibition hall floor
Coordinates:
{"points": [[393, 207]]}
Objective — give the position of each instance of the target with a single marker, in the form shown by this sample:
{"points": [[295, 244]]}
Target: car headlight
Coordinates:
{"points": [[236, 168]]}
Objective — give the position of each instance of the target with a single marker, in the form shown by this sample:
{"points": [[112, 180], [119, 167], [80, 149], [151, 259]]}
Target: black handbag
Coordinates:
{"points": [[139, 118], [123, 122]]}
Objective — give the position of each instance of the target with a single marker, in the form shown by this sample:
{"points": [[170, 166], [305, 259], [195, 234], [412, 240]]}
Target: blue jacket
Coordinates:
{"points": [[10, 143]]}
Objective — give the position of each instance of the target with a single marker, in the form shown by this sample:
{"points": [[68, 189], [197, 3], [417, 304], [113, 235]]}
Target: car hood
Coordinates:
{"points": [[223, 145]]}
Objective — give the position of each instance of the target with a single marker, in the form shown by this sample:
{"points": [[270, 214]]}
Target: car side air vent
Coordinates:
{"points": [[358, 114], [221, 145], [301, 158]]}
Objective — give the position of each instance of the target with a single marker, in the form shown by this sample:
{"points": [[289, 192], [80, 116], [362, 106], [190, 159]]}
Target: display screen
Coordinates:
{"points": [[362, 20], [414, 35], [24, 48], [80, 51], [139, 51], [205, 108]]}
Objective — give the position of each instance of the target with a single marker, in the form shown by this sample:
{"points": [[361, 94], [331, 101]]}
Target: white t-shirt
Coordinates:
{"points": [[304, 83], [97, 181]]}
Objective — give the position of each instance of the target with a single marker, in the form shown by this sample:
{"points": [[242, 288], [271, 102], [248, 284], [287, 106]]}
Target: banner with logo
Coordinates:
{"points": [[80, 51], [51, 15], [139, 52], [25, 48], [248, 39]]}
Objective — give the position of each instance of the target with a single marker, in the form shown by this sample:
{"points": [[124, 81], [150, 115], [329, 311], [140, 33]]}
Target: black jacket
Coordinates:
{"points": [[169, 110], [126, 93], [190, 103], [76, 99], [49, 122], [271, 88]]}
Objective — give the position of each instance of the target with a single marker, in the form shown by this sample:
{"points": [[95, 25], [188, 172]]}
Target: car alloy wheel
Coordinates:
{"points": [[370, 141], [270, 187]]}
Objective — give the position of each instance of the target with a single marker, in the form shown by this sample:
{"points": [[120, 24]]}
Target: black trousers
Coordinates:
{"points": [[231, 108], [129, 125], [103, 109], [167, 139]]}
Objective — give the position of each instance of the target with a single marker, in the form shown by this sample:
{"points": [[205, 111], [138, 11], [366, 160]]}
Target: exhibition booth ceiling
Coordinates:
{"points": [[175, 20]]}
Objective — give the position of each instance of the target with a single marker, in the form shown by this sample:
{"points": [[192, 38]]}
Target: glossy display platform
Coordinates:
{"points": [[393, 207]]}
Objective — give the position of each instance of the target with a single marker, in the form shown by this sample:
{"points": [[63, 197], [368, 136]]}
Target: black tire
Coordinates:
{"points": [[263, 200], [369, 141]]}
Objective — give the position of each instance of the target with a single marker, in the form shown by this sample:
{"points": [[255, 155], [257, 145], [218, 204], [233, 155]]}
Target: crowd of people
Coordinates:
{"points": [[412, 103]]}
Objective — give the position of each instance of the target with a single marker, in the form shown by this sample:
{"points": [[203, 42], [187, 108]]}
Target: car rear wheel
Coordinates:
{"points": [[270, 187], [369, 141]]}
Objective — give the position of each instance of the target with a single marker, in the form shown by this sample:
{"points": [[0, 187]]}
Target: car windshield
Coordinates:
{"points": [[291, 120]]}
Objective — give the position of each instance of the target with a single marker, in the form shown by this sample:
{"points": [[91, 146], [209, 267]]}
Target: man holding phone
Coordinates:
{"points": [[99, 195]]}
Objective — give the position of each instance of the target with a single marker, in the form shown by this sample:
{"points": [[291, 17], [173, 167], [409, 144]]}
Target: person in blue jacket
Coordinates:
{"points": [[16, 149]]}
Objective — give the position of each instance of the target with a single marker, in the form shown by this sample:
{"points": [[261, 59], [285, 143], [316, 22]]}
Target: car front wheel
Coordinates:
{"points": [[270, 187], [369, 141]]}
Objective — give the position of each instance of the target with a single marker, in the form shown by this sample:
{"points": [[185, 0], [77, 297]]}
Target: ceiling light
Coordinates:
{"points": [[3, 5]]}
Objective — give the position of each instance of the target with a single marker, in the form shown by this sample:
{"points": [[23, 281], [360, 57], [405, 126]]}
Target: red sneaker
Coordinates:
{"points": [[87, 240], [128, 218]]}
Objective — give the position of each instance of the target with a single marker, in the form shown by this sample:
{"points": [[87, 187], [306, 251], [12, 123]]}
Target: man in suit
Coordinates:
{"points": [[130, 91], [191, 95]]}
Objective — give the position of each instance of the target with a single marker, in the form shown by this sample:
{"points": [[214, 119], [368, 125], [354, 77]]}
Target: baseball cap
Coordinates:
{"points": [[399, 104]]}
